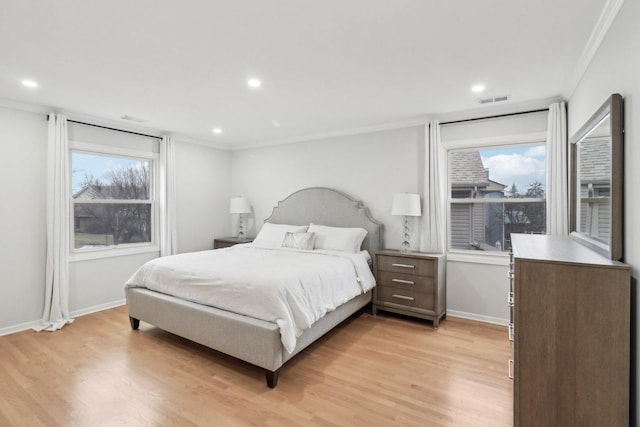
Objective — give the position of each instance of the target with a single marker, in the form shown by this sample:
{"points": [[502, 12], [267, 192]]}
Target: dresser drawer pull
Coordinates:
{"points": [[406, 282], [403, 297], [404, 265], [510, 299]]}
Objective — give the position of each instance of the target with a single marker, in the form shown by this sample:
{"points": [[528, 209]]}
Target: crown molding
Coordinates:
{"points": [[419, 121], [116, 124], [607, 16], [508, 108]]}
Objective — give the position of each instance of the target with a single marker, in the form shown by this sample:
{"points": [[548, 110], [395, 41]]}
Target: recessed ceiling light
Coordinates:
{"points": [[29, 83], [477, 88], [254, 83], [133, 119], [217, 131]]}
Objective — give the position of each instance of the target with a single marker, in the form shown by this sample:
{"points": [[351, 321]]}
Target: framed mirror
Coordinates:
{"points": [[597, 180]]}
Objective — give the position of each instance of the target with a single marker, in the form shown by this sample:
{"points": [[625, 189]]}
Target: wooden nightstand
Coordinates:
{"points": [[225, 242], [410, 283]]}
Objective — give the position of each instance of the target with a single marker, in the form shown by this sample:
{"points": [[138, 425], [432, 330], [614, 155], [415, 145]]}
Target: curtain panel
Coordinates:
{"points": [[56, 304], [432, 238], [557, 171], [167, 197]]}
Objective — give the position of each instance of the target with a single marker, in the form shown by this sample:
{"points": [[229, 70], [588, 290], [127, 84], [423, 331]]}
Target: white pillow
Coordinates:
{"points": [[272, 235], [338, 238], [303, 241]]}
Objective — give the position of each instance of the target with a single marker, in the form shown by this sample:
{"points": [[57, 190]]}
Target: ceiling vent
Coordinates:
{"points": [[133, 119], [494, 99]]}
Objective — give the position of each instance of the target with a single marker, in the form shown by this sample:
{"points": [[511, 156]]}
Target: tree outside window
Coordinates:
{"points": [[111, 200]]}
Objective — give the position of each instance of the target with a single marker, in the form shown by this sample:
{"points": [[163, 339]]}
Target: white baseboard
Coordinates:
{"points": [[19, 328], [83, 312], [76, 313], [95, 308], [478, 317]]}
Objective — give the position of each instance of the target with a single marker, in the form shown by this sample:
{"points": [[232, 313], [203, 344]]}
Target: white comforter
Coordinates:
{"points": [[289, 287]]}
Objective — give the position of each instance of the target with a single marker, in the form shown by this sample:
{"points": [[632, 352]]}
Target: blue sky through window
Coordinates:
{"points": [[521, 165], [85, 165]]}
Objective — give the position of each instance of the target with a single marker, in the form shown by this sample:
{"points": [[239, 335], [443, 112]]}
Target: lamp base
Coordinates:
{"points": [[240, 228], [406, 245]]}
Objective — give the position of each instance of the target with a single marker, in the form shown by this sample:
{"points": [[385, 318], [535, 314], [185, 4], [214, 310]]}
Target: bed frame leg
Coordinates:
{"points": [[272, 378], [135, 323]]}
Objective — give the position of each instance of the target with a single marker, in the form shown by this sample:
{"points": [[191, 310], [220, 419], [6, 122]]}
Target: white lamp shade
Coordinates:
{"points": [[406, 204], [239, 205]]}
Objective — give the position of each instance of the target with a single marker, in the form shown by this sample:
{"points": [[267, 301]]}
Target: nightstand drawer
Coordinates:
{"points": [[405, 297], [406, 265], [405, 281]]}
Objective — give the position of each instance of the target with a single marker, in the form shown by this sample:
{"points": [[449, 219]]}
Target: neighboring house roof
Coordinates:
{"points": [[92, 192], [595, 161], [105, 192], [495, 187], [467, 169]]}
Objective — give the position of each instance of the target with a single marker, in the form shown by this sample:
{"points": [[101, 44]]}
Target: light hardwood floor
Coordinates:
{"points": [[383, 370]]}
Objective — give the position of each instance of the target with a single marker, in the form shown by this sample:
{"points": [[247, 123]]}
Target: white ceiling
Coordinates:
{"points": [[327, 66]]}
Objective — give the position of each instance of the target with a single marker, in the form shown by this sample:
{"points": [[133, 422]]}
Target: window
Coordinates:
{"points": [[495, 192], [112, 198]]}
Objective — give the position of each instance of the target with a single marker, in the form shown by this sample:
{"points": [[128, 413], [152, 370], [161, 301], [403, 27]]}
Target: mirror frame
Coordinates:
{"points": [[614, 108]]}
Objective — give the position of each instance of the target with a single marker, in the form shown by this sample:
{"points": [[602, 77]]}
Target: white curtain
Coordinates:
{"points": [[433, 234], [56, 304], [557, 171], [167, 197]]}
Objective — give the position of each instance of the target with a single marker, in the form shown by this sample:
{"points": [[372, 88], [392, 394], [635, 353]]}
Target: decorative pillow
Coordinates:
{"points": [[338, 238], [272, 235], [299, 240]]}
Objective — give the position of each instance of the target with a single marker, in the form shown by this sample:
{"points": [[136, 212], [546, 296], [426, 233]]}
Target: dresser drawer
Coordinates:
{"points": [[405, 297], [405, 281], [419, 267]]}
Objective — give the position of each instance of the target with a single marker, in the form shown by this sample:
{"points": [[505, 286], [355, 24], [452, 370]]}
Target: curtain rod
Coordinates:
{"points": [[494, 117], [117, 130]]}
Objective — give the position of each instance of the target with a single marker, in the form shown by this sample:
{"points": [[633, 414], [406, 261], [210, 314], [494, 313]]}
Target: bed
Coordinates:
{"points": [[251, 339]]}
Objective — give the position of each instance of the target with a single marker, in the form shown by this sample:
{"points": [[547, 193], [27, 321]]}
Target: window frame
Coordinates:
{"points": [[78, 254], [488, 143]]}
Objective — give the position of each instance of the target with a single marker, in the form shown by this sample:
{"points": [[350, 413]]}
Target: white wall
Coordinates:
{"points": [[202, 183], [478, 290], [203, 191], [369, 167], [23, 166], [616, 69]]}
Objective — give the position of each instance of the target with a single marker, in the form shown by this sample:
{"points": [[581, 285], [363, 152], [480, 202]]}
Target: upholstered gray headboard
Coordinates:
{"points": [[325, 206]]}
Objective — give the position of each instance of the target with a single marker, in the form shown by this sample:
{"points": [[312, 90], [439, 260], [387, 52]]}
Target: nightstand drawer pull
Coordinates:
{"points": [[403, 297], [407, 282], [404, 265]]}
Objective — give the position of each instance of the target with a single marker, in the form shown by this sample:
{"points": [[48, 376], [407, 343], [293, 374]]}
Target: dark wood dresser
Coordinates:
{"points": [[571, 335]]}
